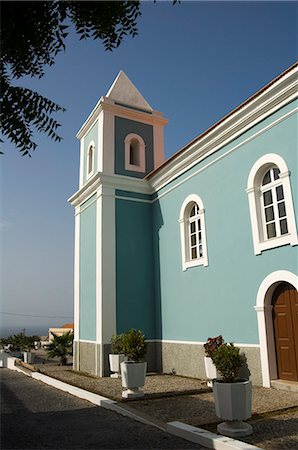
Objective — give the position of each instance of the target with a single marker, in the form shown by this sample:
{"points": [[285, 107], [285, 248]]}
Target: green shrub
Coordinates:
{"points": [[117, 344], [61, 346], [19, 342], [134, 345], [228, 361]]}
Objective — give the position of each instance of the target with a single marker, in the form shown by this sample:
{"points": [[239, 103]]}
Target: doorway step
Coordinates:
{"points": [[284, 385]]}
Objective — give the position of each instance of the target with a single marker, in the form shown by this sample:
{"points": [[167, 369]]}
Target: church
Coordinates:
{"points": [[202, 244]]}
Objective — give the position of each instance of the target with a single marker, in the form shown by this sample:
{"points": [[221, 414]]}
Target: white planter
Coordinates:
{"points": [[133, 377], [233, 404], [115, 361], [28, 357], [210, 369]]}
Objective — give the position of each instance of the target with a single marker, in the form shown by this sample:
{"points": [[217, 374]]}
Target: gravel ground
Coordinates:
{"points": [[156, 385], [170, 397]]}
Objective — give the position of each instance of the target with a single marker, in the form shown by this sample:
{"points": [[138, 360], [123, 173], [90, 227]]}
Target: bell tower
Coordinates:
{"points": [[121, 141], [123, 135]]}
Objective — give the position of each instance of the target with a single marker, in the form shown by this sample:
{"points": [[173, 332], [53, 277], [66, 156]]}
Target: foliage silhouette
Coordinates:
{"points": [[19, 342], [61, 346], [32, 34]]}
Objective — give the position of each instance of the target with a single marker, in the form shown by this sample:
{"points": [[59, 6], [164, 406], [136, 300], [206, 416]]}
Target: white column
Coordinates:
{"points": [[77, 274], [82, 168], [108, 146], [105, 269]]}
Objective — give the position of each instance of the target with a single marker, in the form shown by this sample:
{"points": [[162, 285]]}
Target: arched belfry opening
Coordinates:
{"points": [[134, 153]]}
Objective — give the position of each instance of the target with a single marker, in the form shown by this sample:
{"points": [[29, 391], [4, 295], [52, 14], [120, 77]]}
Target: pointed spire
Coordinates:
{"points": [[124, 91]]}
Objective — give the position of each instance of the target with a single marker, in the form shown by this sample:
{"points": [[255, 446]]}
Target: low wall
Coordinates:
{"points": [[8, 361], [188, 360], [163, 357]]}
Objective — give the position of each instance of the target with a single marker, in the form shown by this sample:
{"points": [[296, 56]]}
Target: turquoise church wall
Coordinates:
{"points": [[92, 135], [88, 270], [219, 299], [123, 127], [135, 294]]}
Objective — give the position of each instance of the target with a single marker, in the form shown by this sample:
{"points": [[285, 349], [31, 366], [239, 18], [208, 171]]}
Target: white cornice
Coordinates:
{"points": [[105, 104], [120, 182], [269, 100]]}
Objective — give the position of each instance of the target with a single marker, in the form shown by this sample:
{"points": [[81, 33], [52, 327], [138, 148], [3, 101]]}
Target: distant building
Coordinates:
{"points": [[202, 244], [61, 330]]}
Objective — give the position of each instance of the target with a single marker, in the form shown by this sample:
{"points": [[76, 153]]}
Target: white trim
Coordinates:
{"points": [[82, 164], [98, 257], [77, 275], [86, 341], [267, 159], [141, 166], [108, 267], [105, 104], [206, 439], [253, 191], [108, 143], [187, 262], [264, 315], [100, 146], [172, 341], [83, 207], [262, 105], [219, 158], [120, 182]]}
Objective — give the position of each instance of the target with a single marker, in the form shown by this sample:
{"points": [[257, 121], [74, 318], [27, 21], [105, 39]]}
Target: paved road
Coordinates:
{"points": [[37, 416]]}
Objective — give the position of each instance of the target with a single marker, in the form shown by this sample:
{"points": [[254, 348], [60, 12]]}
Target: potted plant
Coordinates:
{"points": [[133, 371], [232, 396], [28, 357], [24, 344], [209, 347], [117, 356]]}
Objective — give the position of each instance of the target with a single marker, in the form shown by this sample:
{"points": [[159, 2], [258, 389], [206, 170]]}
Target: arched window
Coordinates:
{"points": [[90, 160], [193, 233], [135, 157], [273, 204], [270, 204]]}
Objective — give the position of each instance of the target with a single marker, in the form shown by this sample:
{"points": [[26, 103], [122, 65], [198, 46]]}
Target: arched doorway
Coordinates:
{"points": [[285, 324]]}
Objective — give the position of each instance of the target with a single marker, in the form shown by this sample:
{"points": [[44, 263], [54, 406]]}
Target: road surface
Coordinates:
{"points": [[37, 416]]}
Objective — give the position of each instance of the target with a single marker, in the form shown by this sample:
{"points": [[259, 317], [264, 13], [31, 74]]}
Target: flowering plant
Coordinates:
{"points": [[212, 344]]}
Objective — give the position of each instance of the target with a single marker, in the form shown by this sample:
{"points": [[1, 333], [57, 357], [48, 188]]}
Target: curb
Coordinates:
{"points": [[180, 429], [206, 438]]}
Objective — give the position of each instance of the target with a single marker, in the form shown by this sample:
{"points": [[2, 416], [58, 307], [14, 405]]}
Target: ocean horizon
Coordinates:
{"points": [[30, 330]]}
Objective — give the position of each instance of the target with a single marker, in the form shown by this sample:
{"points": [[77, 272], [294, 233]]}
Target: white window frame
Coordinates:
{"points": [[254, 191], [91, 147], [187, 262], [141, 167]]}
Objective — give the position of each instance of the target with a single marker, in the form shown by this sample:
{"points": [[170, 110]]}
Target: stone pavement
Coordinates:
{"points": [[173, 398]]}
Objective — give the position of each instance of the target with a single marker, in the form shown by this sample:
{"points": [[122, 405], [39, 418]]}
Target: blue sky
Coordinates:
{"points": [[195, 62]]}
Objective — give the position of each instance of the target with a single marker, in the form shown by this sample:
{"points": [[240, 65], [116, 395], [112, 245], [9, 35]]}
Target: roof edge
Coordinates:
{"points": [[248, 102]]}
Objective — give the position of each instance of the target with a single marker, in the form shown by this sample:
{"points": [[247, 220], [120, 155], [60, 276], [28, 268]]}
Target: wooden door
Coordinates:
{"points": [[285, 321]]}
